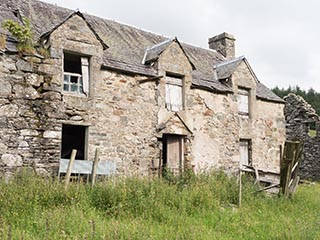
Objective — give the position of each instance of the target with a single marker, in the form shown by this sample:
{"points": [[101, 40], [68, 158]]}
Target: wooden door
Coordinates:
{"points": [[174, 156]]}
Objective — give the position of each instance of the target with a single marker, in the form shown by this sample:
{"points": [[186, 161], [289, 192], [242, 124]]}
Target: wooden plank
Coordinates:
{"points": [[160, 164], [85, 74], [294, 185], [268, 187], [174, 157], [85, 167], [294, 167], [240, 189], [289, 166], [95, 166], [257, 176], [68, 174]]}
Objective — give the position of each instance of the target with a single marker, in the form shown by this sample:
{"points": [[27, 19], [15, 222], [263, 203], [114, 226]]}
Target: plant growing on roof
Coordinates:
{"points": [[22, 32]]}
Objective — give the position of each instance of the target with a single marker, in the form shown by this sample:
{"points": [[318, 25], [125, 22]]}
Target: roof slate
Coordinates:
{"points": [[265, 93], [154, 52], [227, 68], [128, 45]]}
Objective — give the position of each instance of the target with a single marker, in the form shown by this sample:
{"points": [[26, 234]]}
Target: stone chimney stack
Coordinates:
{"points": [[224, 44]]}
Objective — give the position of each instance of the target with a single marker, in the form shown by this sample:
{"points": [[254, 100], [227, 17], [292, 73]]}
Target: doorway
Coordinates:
{"points": [[173, 153], [74, 137]]}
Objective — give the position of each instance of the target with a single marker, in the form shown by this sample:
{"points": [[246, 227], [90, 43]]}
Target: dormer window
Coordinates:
{"points": [[243, 101], [76, 74], [174, 93]]}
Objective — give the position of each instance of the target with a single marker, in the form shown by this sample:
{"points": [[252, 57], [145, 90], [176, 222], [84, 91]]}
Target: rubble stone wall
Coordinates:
{"points": [[299, 117]]}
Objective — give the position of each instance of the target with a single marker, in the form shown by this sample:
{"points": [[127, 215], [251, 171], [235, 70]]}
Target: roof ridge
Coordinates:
{"points": [[229, 61]]}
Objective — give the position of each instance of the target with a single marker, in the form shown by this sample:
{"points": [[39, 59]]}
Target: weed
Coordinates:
{"points": [[186, 207], [23, 33]]}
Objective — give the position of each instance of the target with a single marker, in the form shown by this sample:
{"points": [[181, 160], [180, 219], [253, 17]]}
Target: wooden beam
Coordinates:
{"points": [[68, 174], [240, 189], [266, 188], [95, 166]]}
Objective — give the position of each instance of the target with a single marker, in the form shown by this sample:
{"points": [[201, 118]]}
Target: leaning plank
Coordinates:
{"points": [[72, 158], [268, 187], [94, 167], [257, 176], [240, 189]]}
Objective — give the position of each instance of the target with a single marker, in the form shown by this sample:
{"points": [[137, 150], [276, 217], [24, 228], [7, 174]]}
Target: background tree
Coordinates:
{"points": [[311, 96]]}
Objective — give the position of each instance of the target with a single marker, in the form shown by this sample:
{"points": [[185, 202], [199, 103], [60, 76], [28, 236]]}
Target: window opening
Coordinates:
{"points": [[245, 152], [243, 101], [174, 93], [312, 129], [76, 74], [73, 137]]}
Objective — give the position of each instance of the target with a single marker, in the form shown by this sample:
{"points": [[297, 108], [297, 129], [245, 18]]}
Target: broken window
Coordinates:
{"points": [[312, 129], [174, 93], [76, 74], [73, 137], [173, 153], [243, 101], [245, 152]]}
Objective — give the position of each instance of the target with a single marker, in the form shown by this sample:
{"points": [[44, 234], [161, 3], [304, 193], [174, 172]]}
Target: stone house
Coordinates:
{"points": [[145, 100], [303, 124]]}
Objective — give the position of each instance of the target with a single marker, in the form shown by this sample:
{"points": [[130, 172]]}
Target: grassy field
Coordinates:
{"points": [[202, 207]]}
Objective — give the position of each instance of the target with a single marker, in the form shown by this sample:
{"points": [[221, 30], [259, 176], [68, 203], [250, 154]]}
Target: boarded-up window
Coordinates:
{"points": [[245, 152], [174, 93], [173, 152], [243, 101], [76, 74]]}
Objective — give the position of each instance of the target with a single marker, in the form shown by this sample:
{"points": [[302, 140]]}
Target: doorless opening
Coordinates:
{"points": [[73, 137]]}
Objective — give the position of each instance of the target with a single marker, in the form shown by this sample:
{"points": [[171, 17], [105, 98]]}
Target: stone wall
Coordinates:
{"points": [[29, 112], [300, 116]]}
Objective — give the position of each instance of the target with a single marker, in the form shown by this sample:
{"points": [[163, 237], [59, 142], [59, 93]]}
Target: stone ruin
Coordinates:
{"points": [[303, 124]]}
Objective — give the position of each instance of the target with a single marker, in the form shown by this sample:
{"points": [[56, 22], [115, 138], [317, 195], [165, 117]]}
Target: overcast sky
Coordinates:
{"points": [[280, 38]]}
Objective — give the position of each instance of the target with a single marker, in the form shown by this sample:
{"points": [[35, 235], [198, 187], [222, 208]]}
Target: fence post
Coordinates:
{"points": [[71, 161], [95, 166], [240, 188]]}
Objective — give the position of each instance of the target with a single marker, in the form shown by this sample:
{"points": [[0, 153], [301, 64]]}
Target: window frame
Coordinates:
{"points": [[243, 93], [245, 143], [174, 81], [81, 85]]}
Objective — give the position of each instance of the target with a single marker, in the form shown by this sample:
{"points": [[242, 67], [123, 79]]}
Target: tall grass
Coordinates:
{"points": [[187, 207]]}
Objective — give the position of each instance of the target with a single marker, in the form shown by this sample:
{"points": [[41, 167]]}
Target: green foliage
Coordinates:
{"points": [[311, 96], [188, 207], [22, 33]]}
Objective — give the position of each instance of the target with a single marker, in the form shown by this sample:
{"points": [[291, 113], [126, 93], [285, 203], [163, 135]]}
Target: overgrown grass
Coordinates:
{"points": [[190, 207]]}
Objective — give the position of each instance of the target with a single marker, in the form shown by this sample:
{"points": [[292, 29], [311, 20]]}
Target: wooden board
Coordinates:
{"points": [[85, 167]]}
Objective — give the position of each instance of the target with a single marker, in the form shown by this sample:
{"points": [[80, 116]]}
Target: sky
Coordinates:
{"points": [[280, 38]]}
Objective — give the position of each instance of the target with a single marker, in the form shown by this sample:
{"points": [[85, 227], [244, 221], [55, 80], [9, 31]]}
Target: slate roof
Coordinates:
{"points": [[266, 94], [46, 34], [227, 68], [127, 45], [155, 51]]}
